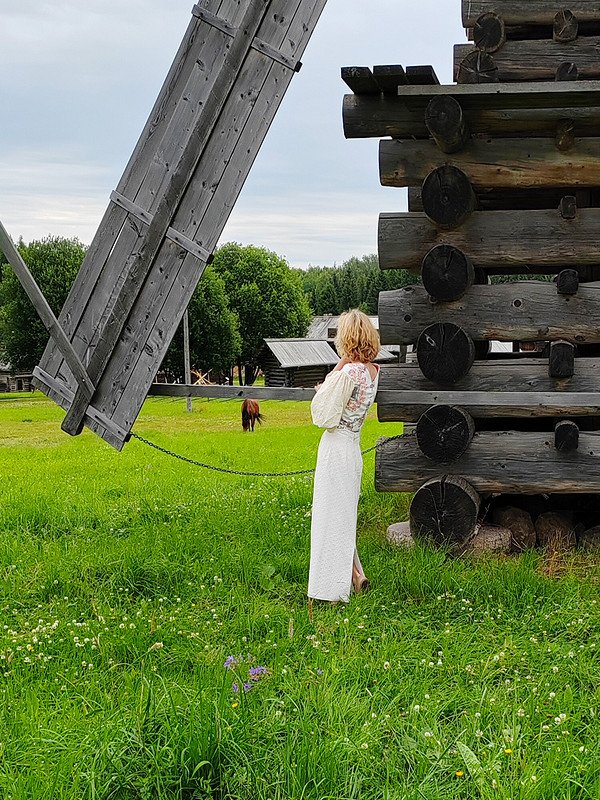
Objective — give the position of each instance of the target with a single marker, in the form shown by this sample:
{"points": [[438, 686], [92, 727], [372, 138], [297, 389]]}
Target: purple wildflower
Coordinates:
{"points": [[247, 687], [235, 687], [231, 661], [319, 672], [256, 672]]}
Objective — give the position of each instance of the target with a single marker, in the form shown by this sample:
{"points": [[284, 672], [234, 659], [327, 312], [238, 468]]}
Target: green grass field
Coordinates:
{"points": [[138, 592]]}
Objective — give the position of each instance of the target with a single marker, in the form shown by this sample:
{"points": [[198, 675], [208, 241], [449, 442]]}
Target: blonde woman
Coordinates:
{"points": [[335, 567]]}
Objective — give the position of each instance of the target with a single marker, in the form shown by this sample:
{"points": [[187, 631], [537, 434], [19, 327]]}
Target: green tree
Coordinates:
{"points": [[215, 341], [54, 263], [267, 296]]}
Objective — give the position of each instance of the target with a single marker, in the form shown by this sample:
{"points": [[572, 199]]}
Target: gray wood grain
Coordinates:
{"points": [[231, 392], [538, 59], [365, 116], [495, 163], [506, 462], [495, 239], [523, 12], [519, 311]]}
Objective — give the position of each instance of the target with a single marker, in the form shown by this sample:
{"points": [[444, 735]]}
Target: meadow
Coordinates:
{"points": [[155, 640]]}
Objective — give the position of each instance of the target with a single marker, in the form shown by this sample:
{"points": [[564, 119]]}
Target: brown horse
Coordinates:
{"points": [[250, 414]]}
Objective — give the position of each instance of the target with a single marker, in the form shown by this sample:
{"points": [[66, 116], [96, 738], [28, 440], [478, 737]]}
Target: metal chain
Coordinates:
{"points": [[236, 471]]}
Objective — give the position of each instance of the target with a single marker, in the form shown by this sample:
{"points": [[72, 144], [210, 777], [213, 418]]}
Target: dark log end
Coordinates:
{"points": [[422, 75], [448, 197], [445, 122], [568, 207], [444, 433], [445, 353], [444, 512], [561, 363], [477, 67], [565, 134], [360, 80], [489, 33], [567, 71], [520, 524], [447, 273], [567, 282], [566, 26], [388, 77], [566, 435]]}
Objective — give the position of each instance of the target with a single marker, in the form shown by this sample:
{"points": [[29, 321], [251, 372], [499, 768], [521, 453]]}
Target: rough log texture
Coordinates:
{"points": [[445, 353], [509, 462], [444, 433], [520, 524], [539, 237], [527, 12], [447, 196], [371, 116], [444, 512], [446, 123], [488, 539], [489, 33], [519, 311], [447, 273], [495, 163]]}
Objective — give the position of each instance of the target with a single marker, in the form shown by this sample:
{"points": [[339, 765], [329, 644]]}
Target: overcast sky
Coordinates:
{"points": [[79, 78]]}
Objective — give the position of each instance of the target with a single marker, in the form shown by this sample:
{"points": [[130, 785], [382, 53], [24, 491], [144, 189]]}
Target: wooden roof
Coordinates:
{"points": [[302, 352]]}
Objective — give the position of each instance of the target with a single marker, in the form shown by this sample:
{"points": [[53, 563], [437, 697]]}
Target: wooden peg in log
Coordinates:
{"points": [[445, 353], [447, 272], [447, 196], [444, 512], [561, 363], [566, 26], [565, 135], [388, 77], [567, 281], [444, 433], [566, 435], [489, 33], [567, 71], [477, 67], [446, 123], [568, 207]]}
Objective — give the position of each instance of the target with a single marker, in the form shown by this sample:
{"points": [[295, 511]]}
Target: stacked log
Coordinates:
{"points": [[503, 173]]}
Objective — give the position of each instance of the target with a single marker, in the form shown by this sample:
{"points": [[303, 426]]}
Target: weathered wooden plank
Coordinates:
{"points": [[407, 406], [367, 116], [144, 340], [520, 311], [538, 59], [226, 392], [505, 462], [201, 215], [422, 75], [496, 239], [527, 12], [495, 163], [360, 80], [524, 375]]}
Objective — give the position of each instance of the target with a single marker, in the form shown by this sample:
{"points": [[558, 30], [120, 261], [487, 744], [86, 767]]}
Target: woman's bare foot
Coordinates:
{"points": [[360, 582]]}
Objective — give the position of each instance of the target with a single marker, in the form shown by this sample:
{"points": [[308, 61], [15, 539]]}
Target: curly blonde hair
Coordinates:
{"points": [[356, 338]]}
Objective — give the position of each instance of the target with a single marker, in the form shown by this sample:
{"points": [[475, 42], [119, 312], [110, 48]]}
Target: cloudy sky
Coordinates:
{"points": [[79, 78]]}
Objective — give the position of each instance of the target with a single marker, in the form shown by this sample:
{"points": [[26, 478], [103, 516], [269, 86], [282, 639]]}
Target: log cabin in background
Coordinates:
{"points": [[503, 175]]}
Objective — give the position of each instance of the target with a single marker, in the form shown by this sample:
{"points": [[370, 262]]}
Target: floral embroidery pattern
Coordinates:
{"points": [[361, 399]]}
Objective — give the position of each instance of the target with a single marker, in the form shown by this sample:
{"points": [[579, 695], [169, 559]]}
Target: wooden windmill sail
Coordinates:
{"points": [[503, 171], [167, 213]]}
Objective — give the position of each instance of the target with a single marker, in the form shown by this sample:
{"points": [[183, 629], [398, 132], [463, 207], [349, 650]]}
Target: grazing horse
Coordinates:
{"points": [[250, 414]]}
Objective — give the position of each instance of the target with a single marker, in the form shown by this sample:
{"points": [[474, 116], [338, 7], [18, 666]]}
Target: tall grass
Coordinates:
{"points": [[129, 581]]}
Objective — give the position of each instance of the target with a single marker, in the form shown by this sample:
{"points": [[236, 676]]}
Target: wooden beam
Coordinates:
{"points": [[505, 461], [495, 239], [225, 392], [530, 12], [495, 163], [538, 59], [360, 80], [367, 116], [519, 311]]}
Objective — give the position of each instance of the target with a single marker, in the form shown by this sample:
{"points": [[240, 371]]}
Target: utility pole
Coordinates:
{"points": [[186, 354]]}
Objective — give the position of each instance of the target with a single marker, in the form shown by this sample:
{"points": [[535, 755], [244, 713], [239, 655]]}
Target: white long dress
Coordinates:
{"points": [[335, 496]]}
